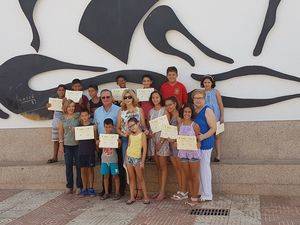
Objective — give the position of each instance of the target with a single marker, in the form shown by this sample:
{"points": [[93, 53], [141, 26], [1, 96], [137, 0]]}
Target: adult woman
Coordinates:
{"points": [[68, 144], [158, 148], [129, 109], [205, 118]]}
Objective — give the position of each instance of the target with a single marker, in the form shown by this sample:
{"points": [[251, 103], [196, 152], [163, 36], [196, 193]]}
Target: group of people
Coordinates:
{"points": [[195, 116]]}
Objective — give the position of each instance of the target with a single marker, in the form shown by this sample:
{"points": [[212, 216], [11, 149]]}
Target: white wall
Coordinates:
{"points": [[229, 27]]}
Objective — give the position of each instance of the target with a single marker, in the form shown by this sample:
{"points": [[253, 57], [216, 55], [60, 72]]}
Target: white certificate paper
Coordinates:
{"points": [[158, 123], [75, 96], [187, 143], [108, 141], [84, 133], [220, 128], [118, 93], [169, 131], [143, 94], [56, 104]]}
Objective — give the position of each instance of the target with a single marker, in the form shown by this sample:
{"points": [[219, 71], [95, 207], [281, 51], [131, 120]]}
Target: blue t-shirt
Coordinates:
{"points": [[101, 114]]}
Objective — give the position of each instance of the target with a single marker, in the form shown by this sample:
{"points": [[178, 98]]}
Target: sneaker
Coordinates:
{"points": [[91, 192], [83, 193]]}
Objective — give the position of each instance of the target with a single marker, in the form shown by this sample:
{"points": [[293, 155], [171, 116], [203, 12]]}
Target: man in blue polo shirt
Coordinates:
{"points": [[109, 110]]}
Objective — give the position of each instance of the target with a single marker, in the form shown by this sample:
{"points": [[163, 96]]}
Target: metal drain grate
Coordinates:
{"points": [[210, 212]]}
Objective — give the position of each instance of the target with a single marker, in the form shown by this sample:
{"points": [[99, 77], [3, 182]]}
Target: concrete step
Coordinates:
{"points": [[244, 177]]}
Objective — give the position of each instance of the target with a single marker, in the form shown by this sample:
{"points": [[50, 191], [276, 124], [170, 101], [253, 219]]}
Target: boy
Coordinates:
{"points": [[109, 163], [82, 105], [173, 87], [95, 101], [86, 152]]}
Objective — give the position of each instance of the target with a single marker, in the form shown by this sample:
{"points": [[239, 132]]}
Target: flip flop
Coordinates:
{"points": [[146, 202], [129, 202]]}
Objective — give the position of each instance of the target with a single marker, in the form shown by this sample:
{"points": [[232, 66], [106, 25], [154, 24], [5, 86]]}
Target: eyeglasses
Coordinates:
{"points": [[127, 97], [169, 104], [105, 97]]}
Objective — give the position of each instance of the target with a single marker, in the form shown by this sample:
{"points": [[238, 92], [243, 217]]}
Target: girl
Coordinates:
{"points": [[190, 160], [68, 144], [214, 100], [159, 148], [206, 120], [135, 159], [95, 101], [61, 90], [172, 108], [129, 109], [146, 106], [86, 152]]}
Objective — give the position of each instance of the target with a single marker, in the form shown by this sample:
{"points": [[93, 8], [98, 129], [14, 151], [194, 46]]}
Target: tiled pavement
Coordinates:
{"points": [[26, 207]]}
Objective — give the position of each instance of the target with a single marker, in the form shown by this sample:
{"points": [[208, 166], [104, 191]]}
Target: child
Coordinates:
{"points": [[146, 106], [174, 88], [109, 163], [214, 100], [172, 108], [86, 152], [121, 81], [76, 86], [190, 160], [61, 90], [135, 159], [95, 101]]}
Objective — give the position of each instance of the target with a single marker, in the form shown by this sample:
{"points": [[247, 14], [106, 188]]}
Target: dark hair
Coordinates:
{"points": [[187, 106], [84, 110], [173, 99], [62, 86], [120, 76], [212, 80], [108, 121], [147, 76], [95, 87], [133, 119], [76, 81], [162, 102], [172, 69]]}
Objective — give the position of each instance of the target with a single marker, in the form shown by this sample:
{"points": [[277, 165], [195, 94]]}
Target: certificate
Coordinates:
{"points": [[158, 123], [169, 131], [118, 93], [187, 143], [108, 141], [220, 128], [75, 96], [84, 133], [144, 94], [56, 104]]}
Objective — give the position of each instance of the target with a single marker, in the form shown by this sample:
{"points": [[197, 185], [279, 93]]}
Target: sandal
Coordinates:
{"points": [[130, 201], [104, 197], [138, 196], [155, 196], [116, 197], [52, 161], [159, 198], [146, 202]]}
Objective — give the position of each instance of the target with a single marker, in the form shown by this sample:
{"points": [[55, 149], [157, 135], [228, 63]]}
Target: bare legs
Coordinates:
{"points": [[218, 146], [179, 173], [162, 167]]}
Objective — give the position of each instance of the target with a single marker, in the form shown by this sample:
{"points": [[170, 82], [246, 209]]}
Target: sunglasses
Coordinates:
{"points": [[105, 97], [127, 97]]}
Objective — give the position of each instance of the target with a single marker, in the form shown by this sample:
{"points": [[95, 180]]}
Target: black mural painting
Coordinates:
{"points": [[18, 97], [163, 19], [111, 23], [28, 7], [269, 22]]}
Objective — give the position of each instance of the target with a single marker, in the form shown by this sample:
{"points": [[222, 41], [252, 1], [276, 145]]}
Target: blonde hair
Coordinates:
{"points": [[66, 104], [135, 100], [198, 91]]}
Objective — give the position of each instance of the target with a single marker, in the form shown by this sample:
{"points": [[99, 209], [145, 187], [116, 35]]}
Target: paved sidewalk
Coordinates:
{"points": [[26, 207]]}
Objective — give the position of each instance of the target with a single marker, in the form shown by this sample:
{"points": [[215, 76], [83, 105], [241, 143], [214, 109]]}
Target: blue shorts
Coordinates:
{"points": [[109, 168]]}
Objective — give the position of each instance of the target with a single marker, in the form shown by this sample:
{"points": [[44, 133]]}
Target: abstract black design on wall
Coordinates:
{"points": [[269, 22], [163, 19], [18, 97], [28, 8], [111, 23], [248, 70]]}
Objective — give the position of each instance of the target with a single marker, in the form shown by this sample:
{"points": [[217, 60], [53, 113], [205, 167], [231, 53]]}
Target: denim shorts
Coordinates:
{"points": [[186, 160], [133, 161]]}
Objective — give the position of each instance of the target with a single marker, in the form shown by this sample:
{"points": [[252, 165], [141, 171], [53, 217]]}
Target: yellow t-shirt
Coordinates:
{"points": [[135, 146]]}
